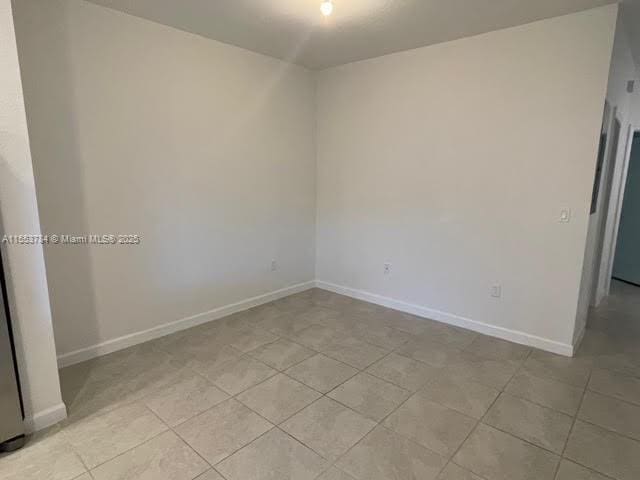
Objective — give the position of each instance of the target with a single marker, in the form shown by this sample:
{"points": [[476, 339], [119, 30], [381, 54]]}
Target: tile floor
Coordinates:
{"points": [[320, 386]]}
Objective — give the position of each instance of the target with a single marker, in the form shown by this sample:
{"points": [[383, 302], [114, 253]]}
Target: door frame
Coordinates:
{"points": [[612, 224]]}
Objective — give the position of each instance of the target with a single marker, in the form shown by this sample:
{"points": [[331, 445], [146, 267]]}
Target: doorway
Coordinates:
{"points": [[626, 266]]}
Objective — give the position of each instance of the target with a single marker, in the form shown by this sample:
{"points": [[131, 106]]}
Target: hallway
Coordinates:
{"points": [[613, 330]]}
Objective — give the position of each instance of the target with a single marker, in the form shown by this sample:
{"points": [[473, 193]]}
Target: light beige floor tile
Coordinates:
{"points": [[431, 425], [603, 451], [202, 353], [101, 438], [615, 385], [126, 384], [380, 335], [321, 316], [327, 299], [497, 349], [278, 398], [295, 303], [317, 337], [210, 475], [220, 431], [334, 474], [212, 358], [49, 457], [370, 396], [237, 376], [403, 371], [572, 471], [448, 334], [156, 378], [274, 456], [597, 343], [493, 373], [539, 425], [626, 363], [282, 354], [259, 316], [164, 457], [328, 428], [286, 326], [543, 391], [384, 455], [188, 397], [612, 414], [465, 396], [130, 361], [253, 339], [495, 455], [354, 352], [431, 352], [454, 472], [94, 398], [574, 371], [321, 373], [406, 322]]}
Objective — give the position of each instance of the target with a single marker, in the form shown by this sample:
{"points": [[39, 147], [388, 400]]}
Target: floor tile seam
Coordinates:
{"points": [[541, 405], [613, 397], [573, 424], [586, 467], [393, 383], [473, 430], [133, 448], [323, 393], [608, 430], [615, 371], [315, 352], [523, 370]]}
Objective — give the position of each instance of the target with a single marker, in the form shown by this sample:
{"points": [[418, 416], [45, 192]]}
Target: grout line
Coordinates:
{"points": [[378, 424], [575, 418], [132, 448], [608, 430], [590, 469], [481, 419]]}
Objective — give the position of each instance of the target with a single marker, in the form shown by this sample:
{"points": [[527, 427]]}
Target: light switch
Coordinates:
{"points": [[565, 216]]}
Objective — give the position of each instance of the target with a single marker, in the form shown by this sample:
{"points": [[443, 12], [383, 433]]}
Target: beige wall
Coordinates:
{"points": [[453, 163], [205, 150], [24, 266]]}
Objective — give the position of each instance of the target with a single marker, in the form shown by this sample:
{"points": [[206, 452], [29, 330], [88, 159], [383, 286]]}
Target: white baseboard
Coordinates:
{"points": [[45, 418], [451, 319], [126, 341]]}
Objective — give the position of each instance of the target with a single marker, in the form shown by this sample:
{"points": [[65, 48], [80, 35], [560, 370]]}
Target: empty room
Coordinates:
{"points": [[319, 240]]}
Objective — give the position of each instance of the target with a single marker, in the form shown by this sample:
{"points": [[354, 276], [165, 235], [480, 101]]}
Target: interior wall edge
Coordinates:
{"points": [[126, 341], [426, 312], [45, 418]]}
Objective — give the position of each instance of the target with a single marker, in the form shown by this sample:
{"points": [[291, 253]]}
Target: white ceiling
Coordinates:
{"points": [[295, 30]]}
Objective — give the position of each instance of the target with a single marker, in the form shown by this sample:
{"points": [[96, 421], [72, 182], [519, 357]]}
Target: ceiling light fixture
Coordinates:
{"points": [[326, 8]]}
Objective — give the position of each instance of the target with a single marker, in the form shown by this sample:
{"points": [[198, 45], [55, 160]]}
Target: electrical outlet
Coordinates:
{"points": [[387, 268], [274, 265], [496, 291]]}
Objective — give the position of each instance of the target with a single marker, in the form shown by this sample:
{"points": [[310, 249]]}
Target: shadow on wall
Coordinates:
{"points": [[11, 177], [57, 165]]}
